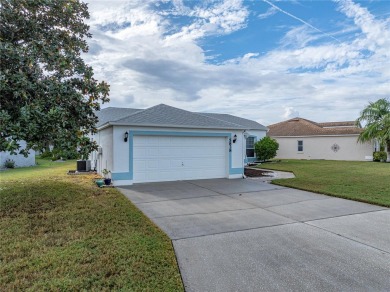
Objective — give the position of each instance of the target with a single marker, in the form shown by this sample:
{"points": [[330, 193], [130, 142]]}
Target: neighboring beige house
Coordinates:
{"points": [[304, 139]]}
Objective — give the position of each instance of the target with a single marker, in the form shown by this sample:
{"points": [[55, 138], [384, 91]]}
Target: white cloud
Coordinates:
{"points": [[290, 112], [300, 20], [222, 18], [146, 62], [299, 37], [271, 11]]}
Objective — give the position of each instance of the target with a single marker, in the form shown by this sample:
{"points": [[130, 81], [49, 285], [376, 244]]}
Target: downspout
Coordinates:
{"points": [[242, 153]]}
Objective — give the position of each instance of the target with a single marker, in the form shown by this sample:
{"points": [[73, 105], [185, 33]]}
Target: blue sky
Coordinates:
{"points": [[264, 60]]}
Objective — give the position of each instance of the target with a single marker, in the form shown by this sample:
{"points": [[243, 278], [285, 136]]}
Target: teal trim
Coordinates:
{"points": [[130, 175], [238, 170], [120, 176]]}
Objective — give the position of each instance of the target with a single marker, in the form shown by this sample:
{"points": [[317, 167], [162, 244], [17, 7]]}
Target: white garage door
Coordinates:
{"points": [[169, 158]]}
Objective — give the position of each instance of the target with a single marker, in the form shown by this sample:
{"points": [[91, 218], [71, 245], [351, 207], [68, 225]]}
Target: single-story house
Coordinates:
{"points": [[19, 159], [299, 138], [164, 143]]}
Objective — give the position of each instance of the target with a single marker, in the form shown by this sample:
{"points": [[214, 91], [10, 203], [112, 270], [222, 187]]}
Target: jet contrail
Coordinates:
{"points": [[300, 19]]}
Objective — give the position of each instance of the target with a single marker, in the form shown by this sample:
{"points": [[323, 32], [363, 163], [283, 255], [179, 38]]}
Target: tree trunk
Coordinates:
{"points": [[388, 150]]}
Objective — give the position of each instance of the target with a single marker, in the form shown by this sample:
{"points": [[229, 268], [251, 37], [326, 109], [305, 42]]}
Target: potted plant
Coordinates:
{"points": [[99, 183], [107, 179]]}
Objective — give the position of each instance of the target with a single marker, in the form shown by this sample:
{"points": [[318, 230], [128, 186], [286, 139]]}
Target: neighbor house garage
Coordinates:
{"points": [[163, 143]]}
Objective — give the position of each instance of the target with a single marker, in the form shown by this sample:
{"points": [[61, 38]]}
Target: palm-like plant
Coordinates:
{"points": [[377, 118]]}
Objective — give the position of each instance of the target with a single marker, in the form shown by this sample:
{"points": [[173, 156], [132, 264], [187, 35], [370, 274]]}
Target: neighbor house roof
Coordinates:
{"points": [[303, 127], [167, 116], [337, 124]]}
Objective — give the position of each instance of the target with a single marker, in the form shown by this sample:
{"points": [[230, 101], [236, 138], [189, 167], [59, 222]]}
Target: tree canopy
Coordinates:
{"points": [[377, 118], [48, 95], [266, 148]]}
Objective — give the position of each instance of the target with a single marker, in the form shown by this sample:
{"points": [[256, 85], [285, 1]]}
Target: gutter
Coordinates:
{"points": [[109, 124]]}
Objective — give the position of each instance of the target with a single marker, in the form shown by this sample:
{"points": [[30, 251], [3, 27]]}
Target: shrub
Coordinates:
{"points": [[380, 156], [70, 154], [46, 154], [57, 154], [9, 163], [266, 148]]}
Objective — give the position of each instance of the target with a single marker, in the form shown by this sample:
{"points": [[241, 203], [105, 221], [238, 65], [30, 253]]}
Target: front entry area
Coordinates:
{"points": [[171, 158]]}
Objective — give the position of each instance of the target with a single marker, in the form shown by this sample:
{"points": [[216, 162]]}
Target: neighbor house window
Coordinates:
{"points": [[300, 146], [250, 147]]}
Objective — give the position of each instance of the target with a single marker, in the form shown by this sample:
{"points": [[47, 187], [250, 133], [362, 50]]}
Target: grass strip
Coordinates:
{"points": [[367, 182], [62, 232]]}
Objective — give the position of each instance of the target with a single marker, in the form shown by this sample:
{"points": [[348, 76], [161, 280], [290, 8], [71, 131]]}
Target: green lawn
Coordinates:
{"points": [[360, 181], [61, 232]]}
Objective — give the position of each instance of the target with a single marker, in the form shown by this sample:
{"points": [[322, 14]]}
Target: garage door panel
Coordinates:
{"points": [[140, 165], [156, 176], [164, 151], [139, 152], [208, 162], [152, 164], [166, 158], [202, 174], [164, 163], [145, 141], [176, 163], [144, 152], [165, 141]]}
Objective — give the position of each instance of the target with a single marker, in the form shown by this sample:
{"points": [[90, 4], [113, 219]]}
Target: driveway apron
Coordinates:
{"points": [[247, 235]]}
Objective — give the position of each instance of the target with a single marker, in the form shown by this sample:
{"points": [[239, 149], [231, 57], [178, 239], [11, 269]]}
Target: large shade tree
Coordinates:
{"points": [[377, 118], [48, 94]]}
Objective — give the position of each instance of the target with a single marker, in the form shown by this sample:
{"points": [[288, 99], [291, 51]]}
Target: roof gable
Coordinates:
{"points": [[303, 127]]}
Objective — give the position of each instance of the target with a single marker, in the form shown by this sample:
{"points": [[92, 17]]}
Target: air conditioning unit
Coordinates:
{"points": [[83, 165]]}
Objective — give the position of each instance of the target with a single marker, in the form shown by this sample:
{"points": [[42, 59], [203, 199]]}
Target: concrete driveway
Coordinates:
{"points": [[247, 235]]}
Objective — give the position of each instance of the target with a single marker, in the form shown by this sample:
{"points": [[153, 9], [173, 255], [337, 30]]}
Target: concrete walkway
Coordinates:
{"points": [[248, 235]]}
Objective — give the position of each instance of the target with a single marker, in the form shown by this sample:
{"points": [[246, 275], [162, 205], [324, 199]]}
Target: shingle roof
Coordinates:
{"points": [[303, 127], [164, 115], [113, 113], [338, 124], [249, 124]]}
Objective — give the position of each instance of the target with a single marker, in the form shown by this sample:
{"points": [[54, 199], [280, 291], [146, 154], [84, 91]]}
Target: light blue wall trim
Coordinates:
{"points": [[130, 175], [238, 170], [120, 175]]}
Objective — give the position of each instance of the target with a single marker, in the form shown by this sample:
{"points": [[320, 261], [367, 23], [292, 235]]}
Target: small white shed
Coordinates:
{"points": [[19, 159]]}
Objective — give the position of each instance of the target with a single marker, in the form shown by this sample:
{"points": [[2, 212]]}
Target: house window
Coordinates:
{"points": [[250, 147], [300, 146]]}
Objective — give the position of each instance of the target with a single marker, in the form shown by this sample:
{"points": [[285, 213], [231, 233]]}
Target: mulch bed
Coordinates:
{"points": [[257, 172], [74, 172]]}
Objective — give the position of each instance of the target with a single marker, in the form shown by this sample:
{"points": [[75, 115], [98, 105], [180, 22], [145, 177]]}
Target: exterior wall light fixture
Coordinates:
{"points": [[126, 136], [234, 138]]}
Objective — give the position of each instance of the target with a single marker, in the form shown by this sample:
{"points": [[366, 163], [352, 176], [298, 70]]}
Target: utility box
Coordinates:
{"points": [[83, 165]]}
